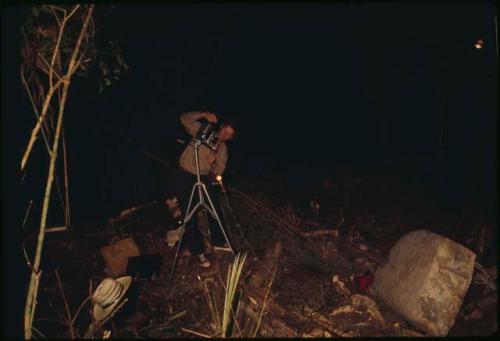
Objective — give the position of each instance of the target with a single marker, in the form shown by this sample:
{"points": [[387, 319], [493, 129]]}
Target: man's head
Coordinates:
{"points": [[227, 131]]}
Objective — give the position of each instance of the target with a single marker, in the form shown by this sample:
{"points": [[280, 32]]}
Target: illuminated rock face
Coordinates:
{"points": [[425, 279]]}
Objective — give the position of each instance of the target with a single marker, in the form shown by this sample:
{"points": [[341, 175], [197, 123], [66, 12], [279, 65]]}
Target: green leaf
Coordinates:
{"points": [[117, 71], [101, 88], [107, 81], [35, 11]]}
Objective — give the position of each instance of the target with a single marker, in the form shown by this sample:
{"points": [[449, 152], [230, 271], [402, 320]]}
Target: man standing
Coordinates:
{"points": [[211, 163]]}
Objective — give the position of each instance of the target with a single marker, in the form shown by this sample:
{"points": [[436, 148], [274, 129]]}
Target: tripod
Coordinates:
{"points": [[202, 192]]}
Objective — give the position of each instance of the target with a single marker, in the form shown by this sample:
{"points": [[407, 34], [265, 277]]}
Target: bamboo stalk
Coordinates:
{"points": [[58, 187], [52, 88], [36, 273], [67, 213]]}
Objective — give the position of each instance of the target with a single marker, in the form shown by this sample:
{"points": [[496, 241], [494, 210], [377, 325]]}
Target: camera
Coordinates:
{"points": [[207, 134]]}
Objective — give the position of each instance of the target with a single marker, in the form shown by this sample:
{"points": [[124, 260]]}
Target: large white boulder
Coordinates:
{"points": [[425, 279]]}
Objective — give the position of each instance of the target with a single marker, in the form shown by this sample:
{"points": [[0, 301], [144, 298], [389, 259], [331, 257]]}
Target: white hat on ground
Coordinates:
{"points": [[108, 294]]}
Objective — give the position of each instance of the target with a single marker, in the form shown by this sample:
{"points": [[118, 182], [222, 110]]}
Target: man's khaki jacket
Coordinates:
{"points": [[187, 160]]}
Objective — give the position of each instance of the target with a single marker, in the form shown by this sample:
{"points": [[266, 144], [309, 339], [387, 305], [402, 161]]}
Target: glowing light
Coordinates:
{"points": [[218, 178], [479, 44]]}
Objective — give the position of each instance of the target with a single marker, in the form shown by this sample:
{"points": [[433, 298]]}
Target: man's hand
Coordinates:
{"points": [[210, 117], [211, 158]]}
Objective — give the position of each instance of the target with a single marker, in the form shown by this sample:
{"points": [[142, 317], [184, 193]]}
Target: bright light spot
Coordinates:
{"points": [[479, 44], [218, 178]]}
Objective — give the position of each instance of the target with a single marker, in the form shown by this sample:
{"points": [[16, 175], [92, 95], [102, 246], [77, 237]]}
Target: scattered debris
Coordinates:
{"points": [[342, 310], [339, 301], [370, 305], [340, 286]]}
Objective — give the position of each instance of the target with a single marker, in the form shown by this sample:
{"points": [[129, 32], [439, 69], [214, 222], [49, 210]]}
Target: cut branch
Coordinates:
{"points": [[35, 110], [41, 118]]}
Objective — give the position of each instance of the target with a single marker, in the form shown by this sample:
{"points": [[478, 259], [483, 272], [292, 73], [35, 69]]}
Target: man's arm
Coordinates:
{"points": [[190, 120], [221, 160]]}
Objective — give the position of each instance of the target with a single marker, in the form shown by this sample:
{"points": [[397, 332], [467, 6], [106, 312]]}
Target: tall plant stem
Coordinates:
{"points": [[35, 274], [67, 214]]}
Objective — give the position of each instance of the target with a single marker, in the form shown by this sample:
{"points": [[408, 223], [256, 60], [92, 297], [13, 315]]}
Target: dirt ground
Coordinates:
{"points": [[369, 214]]}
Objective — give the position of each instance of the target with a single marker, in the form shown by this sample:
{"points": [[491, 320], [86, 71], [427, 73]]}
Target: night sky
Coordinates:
{"points": [[315, 86]]}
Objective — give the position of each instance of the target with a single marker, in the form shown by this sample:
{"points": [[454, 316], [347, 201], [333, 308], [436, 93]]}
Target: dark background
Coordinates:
{"points": [[315, 86]]}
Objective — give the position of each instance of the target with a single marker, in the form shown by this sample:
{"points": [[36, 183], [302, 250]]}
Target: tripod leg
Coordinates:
{"points": [[213, 211], [186, 216]]}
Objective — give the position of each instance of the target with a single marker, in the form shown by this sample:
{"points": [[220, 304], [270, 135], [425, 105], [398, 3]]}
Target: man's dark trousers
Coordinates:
{"points": [[192, 238]]}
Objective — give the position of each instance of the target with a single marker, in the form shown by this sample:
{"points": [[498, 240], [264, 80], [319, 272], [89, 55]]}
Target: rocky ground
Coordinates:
{"points": [[310, 257]]}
